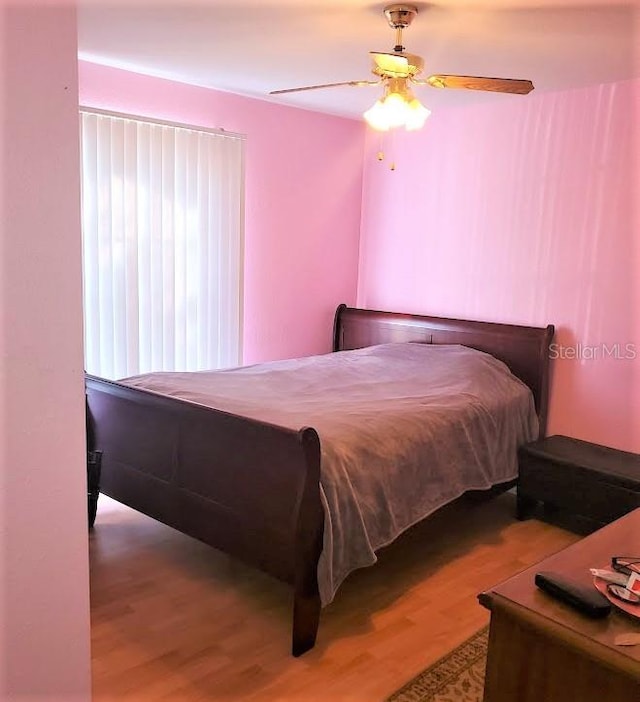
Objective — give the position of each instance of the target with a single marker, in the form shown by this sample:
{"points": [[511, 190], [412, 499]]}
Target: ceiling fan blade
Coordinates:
{"points": [[355, 83], [391, 63], [497, 85]]}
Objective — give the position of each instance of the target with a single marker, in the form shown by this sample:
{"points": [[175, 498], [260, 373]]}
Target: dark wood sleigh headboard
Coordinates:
{"points": [[525, 350]]}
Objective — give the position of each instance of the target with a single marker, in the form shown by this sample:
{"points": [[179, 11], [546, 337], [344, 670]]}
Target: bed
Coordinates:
{"points": [[251, 487]]}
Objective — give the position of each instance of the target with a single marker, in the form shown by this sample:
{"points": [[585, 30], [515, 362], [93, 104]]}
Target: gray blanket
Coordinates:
{"points": [[404, 429]]}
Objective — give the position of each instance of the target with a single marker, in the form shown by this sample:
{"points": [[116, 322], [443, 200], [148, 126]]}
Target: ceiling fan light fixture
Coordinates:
{"points": [[417, 115], [398, 108], [375, 117]]}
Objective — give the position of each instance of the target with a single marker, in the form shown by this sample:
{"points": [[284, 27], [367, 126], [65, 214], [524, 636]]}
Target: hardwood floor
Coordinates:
{"points": [[175, 620]]}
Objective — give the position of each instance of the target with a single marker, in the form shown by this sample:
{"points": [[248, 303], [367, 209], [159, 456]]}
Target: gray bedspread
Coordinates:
{"points": [[404, 429]]}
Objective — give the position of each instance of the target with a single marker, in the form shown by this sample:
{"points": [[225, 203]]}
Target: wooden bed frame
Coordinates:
{"points": [[249, 488]]}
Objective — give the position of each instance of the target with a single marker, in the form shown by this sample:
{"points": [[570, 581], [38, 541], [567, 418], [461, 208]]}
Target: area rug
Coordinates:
{"points": [[457, 677]]}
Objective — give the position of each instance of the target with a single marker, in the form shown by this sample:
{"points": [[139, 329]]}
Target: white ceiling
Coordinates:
{"points": [[254, 46]]}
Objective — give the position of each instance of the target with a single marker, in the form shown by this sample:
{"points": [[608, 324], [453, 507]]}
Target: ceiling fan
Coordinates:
{"points": [[396, 71]]}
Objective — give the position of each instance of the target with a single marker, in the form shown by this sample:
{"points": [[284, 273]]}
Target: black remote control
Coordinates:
{"points": [[581, 597]]}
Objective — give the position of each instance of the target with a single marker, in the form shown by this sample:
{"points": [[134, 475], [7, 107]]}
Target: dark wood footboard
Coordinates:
{"points": [[248, 488]]}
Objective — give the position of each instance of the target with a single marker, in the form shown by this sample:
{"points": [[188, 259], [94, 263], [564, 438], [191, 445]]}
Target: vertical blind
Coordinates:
{"points": [[162, 226]]}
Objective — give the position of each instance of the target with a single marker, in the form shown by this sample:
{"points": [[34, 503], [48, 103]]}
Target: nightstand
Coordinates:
{"points": [[596, 483]]}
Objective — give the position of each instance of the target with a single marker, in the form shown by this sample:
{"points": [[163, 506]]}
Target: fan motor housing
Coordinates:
{"points": [[414, 67]]}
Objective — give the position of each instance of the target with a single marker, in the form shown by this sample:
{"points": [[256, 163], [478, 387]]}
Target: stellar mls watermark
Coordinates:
{"points": [[593, 352]]}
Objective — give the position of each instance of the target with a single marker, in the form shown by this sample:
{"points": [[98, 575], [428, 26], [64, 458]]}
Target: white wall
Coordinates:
{"points": [[44, 580]]}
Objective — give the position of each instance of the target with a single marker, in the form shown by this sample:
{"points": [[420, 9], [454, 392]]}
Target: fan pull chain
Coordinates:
{"points": [[380, 154]]}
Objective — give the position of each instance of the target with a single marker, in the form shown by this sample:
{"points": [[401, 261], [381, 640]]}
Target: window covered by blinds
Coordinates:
{"points": [[162, 226]]}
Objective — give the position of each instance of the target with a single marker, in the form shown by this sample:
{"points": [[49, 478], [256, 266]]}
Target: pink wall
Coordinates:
{"points": [[44, 578], [303, 196], [522, 211]]}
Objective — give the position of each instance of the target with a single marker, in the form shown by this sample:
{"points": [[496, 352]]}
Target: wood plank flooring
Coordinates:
{"points": [[175, 620]]}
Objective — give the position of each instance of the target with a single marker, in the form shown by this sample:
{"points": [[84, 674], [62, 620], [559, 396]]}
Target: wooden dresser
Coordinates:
{"points": [[541, 650]]}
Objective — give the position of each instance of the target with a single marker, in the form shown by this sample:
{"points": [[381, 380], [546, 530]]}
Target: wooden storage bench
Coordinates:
{"points": [[596, 483]]}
